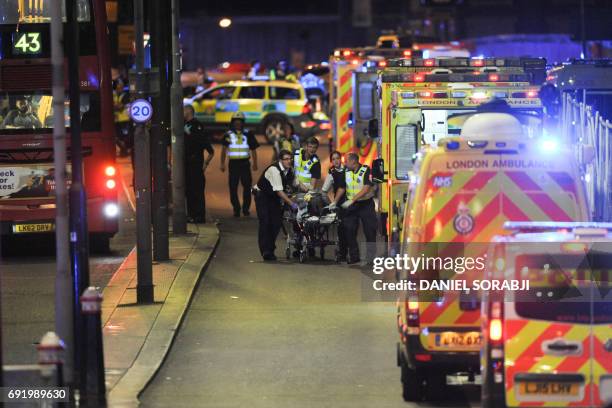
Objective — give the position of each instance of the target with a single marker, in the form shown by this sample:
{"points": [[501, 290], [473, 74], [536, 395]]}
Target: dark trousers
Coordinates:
{"points": [[269, 214], [342, 249], [195, 183], [240, 172], [364, 212]]}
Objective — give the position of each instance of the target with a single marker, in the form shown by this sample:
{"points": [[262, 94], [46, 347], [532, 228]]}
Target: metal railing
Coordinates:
{"points": [[586, 129]]}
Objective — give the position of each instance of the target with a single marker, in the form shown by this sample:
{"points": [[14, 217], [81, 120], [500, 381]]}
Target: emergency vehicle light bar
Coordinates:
{"points": [[551, 226], [454, 77], [526, 63]]}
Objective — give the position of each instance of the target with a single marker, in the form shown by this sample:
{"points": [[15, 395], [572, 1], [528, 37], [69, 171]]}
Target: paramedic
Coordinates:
{"points": [[270, 194], [359, 206]]}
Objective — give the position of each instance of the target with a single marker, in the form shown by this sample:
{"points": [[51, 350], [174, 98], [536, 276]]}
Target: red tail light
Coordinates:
{"points": [[355, 62], [347, 53], [382, 63], [111, 184], [429, 63], [493, 77], [477, 62], [110, 171], [407, 53], [495, 330], [307, 109], [412, 312]]}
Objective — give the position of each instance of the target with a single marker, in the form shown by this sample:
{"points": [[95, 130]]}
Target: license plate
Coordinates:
{"points": [[453, 340], [560, 389], [29, 228]]}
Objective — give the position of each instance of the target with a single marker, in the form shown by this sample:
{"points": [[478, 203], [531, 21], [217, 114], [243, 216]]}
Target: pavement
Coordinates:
{"points": [[138, 337]]}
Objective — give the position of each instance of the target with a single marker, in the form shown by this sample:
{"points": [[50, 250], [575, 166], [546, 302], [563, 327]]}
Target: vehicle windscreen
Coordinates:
{"points": [[440, 123], [572, 288], [37, 11], [33, 112]]}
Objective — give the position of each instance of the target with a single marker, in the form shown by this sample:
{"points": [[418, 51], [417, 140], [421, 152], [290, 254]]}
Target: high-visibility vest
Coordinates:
{"points": [[122, 115], [303, 167], [238, 147], [355, 181]]}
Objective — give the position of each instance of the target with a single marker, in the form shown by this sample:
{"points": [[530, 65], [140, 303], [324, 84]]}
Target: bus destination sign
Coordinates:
{"points": [[27, 43]]}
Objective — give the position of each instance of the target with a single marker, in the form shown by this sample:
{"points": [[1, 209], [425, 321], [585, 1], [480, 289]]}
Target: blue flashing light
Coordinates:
{"points": [[500, 144], [549, 145], [452, 145]]}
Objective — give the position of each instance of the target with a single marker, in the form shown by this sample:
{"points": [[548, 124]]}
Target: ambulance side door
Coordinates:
{"points": [[405, 142]]}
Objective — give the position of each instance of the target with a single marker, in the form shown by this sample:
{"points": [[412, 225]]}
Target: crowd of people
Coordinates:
{"points": [[348, 190]]}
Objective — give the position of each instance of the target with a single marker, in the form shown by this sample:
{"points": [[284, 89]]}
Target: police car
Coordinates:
{"points": [[551, 344], [267, 106]]}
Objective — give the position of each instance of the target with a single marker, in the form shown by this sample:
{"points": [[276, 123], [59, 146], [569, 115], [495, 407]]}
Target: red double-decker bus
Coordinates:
{"points": [[27, 185]]}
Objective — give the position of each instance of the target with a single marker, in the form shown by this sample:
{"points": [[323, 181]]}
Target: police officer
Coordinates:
{"points": [[123, 126], [239, 145], [334, 182], [359, 206], [196, 142], [307, 165], [270, 193]]}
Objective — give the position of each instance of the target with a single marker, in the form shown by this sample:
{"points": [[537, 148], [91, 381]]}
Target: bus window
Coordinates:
{"points": [[21, 112]]}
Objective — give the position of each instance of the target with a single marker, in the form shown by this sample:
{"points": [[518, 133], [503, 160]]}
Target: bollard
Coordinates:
{"points": [[50, 357], [94, 394]]}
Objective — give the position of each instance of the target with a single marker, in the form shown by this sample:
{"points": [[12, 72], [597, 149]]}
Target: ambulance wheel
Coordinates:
{"points": [[303, 256], [435, 389], [412, 382]]}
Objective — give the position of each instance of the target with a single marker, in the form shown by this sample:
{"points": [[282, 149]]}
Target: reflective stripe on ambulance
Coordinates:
{"points": [[475, 215], [344, 134]]}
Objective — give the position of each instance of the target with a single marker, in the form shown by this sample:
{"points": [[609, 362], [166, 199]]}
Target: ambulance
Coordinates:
{"points": [[419, 108], [366, 99], [343, 64], [460, 194], [551, 344]]}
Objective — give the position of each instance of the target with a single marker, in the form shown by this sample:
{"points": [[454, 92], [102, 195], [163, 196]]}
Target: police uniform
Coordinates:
{"points": [[123, 126], [196, 141], [306, 170], [362, 210], [335, 180], [269, 206], [239, 146]]}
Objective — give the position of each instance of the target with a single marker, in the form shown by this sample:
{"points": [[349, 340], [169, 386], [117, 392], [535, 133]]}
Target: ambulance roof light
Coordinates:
{"points": [[543, 226], [452, 145], [549, 146]]}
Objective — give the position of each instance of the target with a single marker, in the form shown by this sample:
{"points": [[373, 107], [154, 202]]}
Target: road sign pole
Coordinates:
{"points": [[64, 317], [159, 134], [79, 245], [142, 167], [179, 216]]}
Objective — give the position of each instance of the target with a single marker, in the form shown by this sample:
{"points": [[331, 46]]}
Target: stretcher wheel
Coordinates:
{"points": [[303, 256]]}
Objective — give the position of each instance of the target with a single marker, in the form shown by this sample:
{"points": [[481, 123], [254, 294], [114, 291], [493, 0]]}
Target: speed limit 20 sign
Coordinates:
{"points": [[141, 110]]}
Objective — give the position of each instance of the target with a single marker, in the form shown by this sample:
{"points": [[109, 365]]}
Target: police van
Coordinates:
{"points": [[461, 193], [550, 344]]}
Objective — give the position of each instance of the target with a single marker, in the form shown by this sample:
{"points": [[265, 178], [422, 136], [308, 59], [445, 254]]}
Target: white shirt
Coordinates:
{"points": [[328, 183], [275, 179]]}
